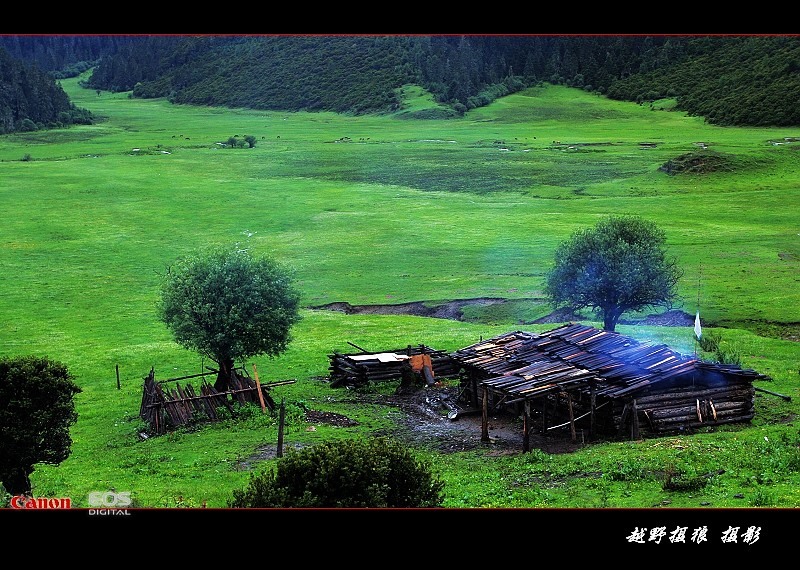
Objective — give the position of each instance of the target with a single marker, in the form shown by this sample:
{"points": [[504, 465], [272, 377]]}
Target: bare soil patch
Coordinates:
{"points": [[669, 319], [428, 417], [445, 310], [453, 310], [424, 417]]}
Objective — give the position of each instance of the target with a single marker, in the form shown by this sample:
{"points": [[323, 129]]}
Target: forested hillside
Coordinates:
{"points": [[749, 81], [342, 74], [62, 55], [30, 99], [729, 80], [361, 74]]}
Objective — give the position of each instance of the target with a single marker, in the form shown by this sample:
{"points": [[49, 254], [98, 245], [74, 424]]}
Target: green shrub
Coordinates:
{"points": [[28, 126], [676, 480], [762, 498], [723, 354], [344, 474], [709, 342]]}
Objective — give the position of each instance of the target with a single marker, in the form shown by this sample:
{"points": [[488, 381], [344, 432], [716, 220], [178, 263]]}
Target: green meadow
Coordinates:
{"points": [[392, 209]]}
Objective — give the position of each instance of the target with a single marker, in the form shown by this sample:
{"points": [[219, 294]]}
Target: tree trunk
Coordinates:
{"points": [[223, 382], [17, 481], [611, 317]]}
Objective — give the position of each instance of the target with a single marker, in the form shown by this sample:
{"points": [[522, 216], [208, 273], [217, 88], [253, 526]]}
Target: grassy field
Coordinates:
{"points": [[387, 209]]}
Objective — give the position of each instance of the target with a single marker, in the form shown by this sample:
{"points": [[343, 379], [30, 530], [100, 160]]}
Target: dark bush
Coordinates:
{"points": [[378, 473], [27, 126], [37, 409]]}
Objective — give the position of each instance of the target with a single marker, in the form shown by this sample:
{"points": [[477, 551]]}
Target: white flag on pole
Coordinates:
{"points": [[698, 331]]}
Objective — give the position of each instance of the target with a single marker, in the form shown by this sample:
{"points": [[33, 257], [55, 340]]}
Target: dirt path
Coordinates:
{"points": [[453, 310]]}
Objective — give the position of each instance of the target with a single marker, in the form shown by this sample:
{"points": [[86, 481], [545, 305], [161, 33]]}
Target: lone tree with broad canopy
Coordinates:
{"points": [[617, 266], [36, 412], [228, 305]]}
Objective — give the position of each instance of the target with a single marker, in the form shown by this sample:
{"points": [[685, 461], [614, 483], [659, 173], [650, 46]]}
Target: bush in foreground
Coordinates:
{"points": [[37, 409], [377, 473]]}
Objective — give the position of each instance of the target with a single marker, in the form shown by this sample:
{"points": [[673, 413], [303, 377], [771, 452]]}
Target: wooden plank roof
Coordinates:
{"points": [[575, 357]]}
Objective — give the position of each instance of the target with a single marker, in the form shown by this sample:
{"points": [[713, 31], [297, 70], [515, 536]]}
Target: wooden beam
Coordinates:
{"points": [[544, 416], [187, 377], [591, 411], [787, 398], [623, 417], [571, 418], [281, 422], [485, 416], [260, 394], [526, 427]]}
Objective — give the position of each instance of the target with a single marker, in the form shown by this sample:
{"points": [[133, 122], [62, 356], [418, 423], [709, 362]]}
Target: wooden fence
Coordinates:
{"points": [[166, 406]]}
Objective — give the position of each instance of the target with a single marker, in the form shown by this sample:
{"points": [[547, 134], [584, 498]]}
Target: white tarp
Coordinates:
{"points": [[382, 357]]}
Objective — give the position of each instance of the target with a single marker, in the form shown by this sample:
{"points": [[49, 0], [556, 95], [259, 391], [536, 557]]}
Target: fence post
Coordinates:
{"points": [[485, 416], [281, 418], [118, 387]]}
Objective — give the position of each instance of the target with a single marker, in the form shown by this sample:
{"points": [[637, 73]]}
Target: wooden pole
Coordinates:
{"points": [[544, 415], [591, 417], [622, 418], [759, 389], [635, 421], [358, 347], [485, 416], [118, 386], [571, 418], [258, 387], [526, 427], [281, 417]]}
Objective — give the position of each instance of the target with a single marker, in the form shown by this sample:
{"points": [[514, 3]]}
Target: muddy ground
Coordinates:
{"points": [[453, 310], [429, 417]]}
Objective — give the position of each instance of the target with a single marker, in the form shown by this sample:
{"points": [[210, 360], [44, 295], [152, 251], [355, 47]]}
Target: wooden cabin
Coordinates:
{"points": [[601, 384]]}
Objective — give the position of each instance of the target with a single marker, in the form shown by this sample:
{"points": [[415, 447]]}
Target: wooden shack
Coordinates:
{"points": [[600, 384]]}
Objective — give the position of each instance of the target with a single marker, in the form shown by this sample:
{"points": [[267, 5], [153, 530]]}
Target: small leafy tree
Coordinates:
{"points": [[36, 412], [250, 140], [227, 305], [617, 266], [377, 473]]}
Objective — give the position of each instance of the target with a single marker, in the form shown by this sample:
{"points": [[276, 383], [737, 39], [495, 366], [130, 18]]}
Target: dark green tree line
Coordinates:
{"points": [[729, 80], [30, 99]]}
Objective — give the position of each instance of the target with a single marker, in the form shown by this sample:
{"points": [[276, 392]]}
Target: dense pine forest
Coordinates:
{"points": [[728, 80], [30, 99]]}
